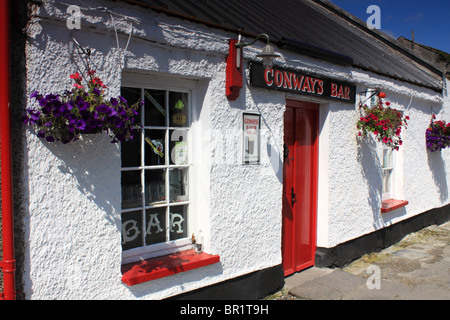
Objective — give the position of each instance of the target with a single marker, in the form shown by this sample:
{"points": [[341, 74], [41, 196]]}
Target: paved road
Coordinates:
{"points": [[416, 268]]}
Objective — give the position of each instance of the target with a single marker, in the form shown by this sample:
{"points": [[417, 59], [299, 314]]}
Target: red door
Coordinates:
{"points": [[301, 135]]}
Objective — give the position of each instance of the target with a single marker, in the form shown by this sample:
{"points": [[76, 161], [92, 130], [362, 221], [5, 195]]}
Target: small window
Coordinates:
{"points": [[155, 173], [388, 169]]}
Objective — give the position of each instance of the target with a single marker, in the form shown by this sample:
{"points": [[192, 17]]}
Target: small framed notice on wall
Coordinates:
{"points": [[251, 127]]}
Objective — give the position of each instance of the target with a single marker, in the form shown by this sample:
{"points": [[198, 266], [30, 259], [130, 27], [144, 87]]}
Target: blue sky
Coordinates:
{"points": [[430, 19]]}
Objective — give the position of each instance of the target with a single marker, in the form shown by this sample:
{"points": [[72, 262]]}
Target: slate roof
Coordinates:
{"points": [[312, 27]]}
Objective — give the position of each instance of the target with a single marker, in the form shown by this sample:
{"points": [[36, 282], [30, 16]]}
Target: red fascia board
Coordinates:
{"points": [[159, 267]]}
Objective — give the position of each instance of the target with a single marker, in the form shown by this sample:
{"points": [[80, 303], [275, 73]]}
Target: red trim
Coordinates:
{"points": [[159, 267], [392, 204], [8, 265], [233, 73]]}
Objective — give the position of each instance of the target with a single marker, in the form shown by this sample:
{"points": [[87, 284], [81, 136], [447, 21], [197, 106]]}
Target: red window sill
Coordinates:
{"points": [[159, 267], [391, 205]]}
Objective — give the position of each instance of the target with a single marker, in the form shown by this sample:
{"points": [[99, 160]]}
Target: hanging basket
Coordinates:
{"points": [[437, 135], [383, 122], [82, 110]]}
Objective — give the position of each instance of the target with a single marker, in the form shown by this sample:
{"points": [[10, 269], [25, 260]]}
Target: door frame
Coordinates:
{"points": [[314, 185]]}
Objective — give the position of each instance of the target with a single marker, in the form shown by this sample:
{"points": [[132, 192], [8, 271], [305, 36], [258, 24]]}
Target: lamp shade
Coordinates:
{"points": [[268, 54]]}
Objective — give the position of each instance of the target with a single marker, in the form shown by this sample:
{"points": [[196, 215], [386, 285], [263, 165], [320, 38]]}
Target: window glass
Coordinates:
{"points": [[178, 146], [131, 230], [131, 150], [155, 170], [178, 111], [155, 186], [178, 185], [387, 158], [155, 107], [178, 221], [155, 151], [156, 225], [131, 189], [388, 169]]}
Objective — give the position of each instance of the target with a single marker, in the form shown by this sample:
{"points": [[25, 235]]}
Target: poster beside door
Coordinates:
{"points": [[251, 137]]}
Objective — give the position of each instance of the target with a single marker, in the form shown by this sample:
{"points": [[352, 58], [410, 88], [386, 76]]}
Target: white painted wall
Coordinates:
{"points": [[354, 166], [73, 211], [73, 225]]}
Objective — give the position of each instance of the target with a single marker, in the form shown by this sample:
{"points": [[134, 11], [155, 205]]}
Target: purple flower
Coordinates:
{"points": [[71, 117], [103, 108], [121, 111], [80, 125], [119, 123], [34, 115], [112, 112], [66, 107], [42, 101], [83, 106], [52, 97], [63, 118]]}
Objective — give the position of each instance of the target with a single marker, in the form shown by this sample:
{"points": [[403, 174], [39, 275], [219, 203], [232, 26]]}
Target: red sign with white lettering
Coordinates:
{"points": [[302, 83]]}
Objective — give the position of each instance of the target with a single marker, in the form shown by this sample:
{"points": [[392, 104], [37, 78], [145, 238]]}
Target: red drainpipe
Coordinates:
{"points": [[8, 264]]}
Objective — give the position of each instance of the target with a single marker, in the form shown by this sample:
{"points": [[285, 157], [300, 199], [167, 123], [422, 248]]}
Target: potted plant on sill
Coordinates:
{"points": [[384, 122], [82, 110], [437, 135]]}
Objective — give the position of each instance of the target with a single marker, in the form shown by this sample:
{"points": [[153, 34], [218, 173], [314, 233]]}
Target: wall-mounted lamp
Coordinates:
{"points": [[268, 53], [234, 63]]}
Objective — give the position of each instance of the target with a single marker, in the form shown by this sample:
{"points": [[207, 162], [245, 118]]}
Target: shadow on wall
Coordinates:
{"points": [[437, 167], [90, 161], [372, 173]]}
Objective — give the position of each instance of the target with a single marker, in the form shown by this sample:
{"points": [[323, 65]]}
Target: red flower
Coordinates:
{"points": [[388, 103], [76, 76], [382, 95]]}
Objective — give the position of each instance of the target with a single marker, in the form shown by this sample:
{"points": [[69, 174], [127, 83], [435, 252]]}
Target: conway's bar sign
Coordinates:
{"points": [[302, 83]]}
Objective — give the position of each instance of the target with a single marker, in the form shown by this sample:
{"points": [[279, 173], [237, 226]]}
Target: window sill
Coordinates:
{"points": [[392, 204], [159, 267]]}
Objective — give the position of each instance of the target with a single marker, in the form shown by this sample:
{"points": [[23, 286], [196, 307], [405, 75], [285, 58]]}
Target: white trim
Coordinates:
{"points": [[175, 84], [157, 250]]}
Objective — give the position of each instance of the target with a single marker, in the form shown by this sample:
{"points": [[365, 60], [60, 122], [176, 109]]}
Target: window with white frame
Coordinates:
{"points": [[155, 174], [390, 159], [388, 172]]}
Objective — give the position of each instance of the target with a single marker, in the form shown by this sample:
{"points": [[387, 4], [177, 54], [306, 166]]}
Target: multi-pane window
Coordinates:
{"points": [[388, 168], [155, 170], [388, 162]]}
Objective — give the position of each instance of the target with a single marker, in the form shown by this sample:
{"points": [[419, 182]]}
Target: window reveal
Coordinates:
{"points": [[155, 170]]}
